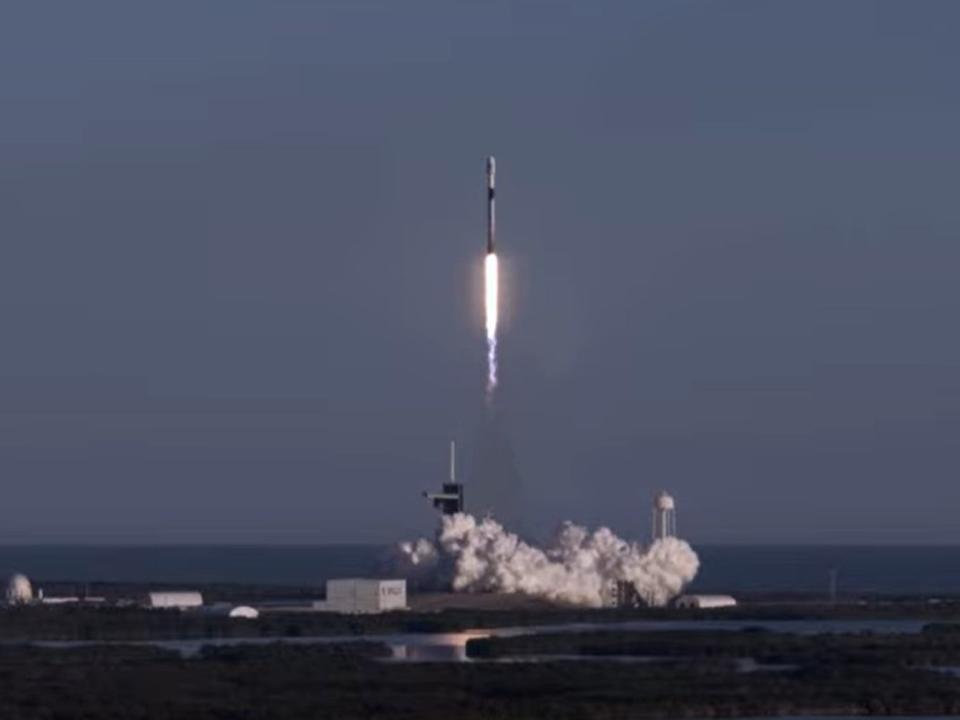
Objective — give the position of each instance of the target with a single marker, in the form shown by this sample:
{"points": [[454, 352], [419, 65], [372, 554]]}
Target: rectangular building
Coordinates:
{"points": [[179, 600], [360, 595]]}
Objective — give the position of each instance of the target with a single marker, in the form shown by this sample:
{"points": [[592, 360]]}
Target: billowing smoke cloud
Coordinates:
{"points": [[580, 567]]}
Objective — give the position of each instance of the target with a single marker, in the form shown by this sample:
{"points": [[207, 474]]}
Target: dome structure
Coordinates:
{"points": [[19, 590], [244, 611]]}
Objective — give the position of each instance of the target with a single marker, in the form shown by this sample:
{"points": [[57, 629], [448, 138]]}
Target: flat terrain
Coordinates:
{"points": [[285, 682], [593, 674], [436, 613]]}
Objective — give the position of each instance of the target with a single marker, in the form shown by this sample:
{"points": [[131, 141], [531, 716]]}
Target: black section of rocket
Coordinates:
{"points": [[491, 214]]}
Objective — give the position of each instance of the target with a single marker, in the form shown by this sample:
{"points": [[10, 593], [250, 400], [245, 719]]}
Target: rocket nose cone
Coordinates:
{"points": [[491, 164]]}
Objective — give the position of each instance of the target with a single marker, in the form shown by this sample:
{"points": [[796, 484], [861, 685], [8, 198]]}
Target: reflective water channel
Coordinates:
{"points": [[452, 646]]}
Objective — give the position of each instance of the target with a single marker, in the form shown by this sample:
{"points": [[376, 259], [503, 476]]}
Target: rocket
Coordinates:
{"points": [[491, 215]]}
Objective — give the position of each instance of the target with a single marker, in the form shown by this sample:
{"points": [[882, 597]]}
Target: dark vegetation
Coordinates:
{"points": [[288, 682], [693, 674], [82, 623], [109, 622], [936, 646]]}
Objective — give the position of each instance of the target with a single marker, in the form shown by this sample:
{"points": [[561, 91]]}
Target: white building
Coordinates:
{"points": [[178, 600], [705, 601], [71, 600], [245, 612], [356, 595]]}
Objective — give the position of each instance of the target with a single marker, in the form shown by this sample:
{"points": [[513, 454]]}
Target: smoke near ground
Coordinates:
{"points": [[580, 567]]}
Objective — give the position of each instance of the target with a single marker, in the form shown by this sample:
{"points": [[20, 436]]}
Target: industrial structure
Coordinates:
{"points": [[363, 596], [449, 501], [705, 601], [664, 517], [624, 593], [70, 599], [182, 600], [20, 591]]}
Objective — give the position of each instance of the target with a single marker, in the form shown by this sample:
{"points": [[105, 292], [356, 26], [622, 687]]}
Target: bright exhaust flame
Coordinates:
{"points": [[491, 293]]}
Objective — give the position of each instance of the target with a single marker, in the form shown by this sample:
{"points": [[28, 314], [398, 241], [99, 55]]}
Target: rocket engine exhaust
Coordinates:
{"points": [[491, 291], [491, 282]]}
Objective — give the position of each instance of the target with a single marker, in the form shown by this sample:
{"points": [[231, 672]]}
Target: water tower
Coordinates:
{"points": [[664, 516]]}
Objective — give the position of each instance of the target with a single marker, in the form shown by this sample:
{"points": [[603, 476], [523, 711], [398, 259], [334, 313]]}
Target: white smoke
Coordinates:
{"points": [[580, 567], [421, 553]]}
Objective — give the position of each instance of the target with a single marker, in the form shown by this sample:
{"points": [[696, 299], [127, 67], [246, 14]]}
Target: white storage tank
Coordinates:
{"points": [[178, 600], [705, 601], [19, 590], [360, 595]]}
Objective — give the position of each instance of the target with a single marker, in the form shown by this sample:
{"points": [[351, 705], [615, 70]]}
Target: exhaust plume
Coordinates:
{"points": [[580, 567], [491, 294]]}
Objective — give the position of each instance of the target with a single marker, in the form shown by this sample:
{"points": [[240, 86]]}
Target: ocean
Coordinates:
{"points": [[724, 568]]}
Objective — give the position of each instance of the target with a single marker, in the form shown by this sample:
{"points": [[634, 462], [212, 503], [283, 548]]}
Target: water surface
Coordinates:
{"points": [[724, 568]]}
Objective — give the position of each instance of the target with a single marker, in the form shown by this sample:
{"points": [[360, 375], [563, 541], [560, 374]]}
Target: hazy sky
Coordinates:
{"points": [[240, 246]]}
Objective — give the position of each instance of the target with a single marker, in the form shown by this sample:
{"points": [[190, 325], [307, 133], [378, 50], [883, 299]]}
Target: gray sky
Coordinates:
{"points": [[241, 246]]}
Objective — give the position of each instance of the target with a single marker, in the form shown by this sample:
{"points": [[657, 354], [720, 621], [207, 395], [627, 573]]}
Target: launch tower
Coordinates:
{"points": [[449, 501]]}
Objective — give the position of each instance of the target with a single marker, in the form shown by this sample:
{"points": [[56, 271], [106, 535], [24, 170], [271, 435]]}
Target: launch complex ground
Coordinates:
{"points": [[773, 657], [286, 611], [475, 655]]}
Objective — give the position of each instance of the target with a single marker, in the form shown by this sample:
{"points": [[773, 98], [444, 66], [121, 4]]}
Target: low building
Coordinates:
{"points": [[177, 600], [705, 601], [60, 600], [71, 600], [360, 595]]}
